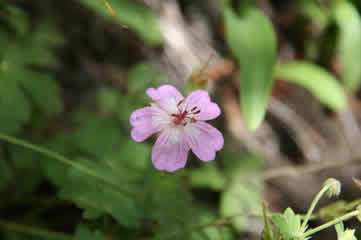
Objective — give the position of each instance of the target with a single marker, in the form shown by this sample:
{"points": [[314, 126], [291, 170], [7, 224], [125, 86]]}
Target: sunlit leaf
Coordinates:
{"points": [[252, 40], [289, 224], [318, 81], [349, 43]]}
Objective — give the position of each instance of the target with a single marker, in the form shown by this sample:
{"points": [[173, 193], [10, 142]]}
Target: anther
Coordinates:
{"points": [[180, 102], [197, 112], [193, 109]]}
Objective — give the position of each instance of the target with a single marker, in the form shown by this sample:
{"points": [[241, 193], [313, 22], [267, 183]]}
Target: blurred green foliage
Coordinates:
{"points": [[251, 38], [134, 15], [318, 81], [128, 198]]}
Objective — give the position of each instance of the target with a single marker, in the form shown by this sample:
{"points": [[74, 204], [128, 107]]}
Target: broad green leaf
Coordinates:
{"points": [[126, 107], [12, 98], [97, 197], [27, 170], [342, 234], [16, 77], [238, 163], [84, 233], [289, 224], [134, 15], [49, 101], [141, 77], [108, 99], [240, 199], [64, 144], [4, 42], [252, 40], [318, 81], [208, 176], [6, 172], [98, 136], [18, 20], [349, 43]]}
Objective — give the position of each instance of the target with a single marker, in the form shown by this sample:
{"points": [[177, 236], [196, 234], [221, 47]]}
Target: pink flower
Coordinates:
{"points": [[181, 124]]}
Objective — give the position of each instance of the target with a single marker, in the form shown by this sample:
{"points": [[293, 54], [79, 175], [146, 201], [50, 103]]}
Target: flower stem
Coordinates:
{"points": [[333, 222], [58, 157], [314, 203]]}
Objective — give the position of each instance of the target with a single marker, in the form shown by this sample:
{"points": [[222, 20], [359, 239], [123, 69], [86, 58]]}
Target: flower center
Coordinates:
{"points": [[184, 115]]}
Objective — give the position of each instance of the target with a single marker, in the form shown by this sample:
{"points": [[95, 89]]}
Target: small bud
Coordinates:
{"points": [[334, 187]]}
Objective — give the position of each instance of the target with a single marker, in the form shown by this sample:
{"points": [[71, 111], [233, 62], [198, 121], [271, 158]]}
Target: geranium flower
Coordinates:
{"points": [[181, 124]]}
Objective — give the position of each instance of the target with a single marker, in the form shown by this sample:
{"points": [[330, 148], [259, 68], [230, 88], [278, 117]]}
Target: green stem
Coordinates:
{"points": [[58, 157], [313, 204], [333, 222], [31, 230]]}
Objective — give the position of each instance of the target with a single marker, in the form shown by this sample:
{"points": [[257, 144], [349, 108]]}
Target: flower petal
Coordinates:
{"points": [[166, 96], [204, 140], [170, 150], [147, 121], [201, 100]]}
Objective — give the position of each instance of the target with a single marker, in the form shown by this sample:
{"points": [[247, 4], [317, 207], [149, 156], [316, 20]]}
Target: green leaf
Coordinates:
{"points": [[97, 197], [342, 234], [268, 232], [239, 164], [108, 99], [349, 43], [96, 135], [6, 172], [12, 98], [84, 233], [317, 80], [252, 40], [289, 224], [49, 101], [141, 77], [240, 199], [134, 15], [19, 20], [126, 107], [16, 77], [208, 176], [4, 42]]}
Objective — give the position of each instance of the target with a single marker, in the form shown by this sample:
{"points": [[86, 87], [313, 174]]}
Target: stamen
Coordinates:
{"points": [[193, 109], [180, 102], [197, 112], [174, 115]]}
